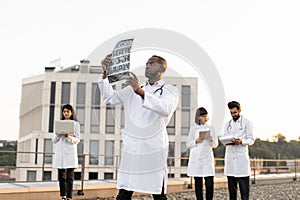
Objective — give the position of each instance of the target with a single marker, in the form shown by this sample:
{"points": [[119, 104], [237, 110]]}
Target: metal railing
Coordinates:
{"points": [[107, 165]]}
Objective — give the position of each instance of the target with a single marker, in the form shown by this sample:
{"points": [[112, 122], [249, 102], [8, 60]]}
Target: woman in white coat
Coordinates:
{"points": [[65, 157], [201, 140]]}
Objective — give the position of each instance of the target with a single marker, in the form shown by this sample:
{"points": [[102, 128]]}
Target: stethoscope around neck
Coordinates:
{"points": [[160, 89], [229, 127]]}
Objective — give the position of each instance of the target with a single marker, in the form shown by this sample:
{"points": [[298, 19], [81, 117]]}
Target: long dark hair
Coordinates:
{"points": [[69, 107], [200, 111]]}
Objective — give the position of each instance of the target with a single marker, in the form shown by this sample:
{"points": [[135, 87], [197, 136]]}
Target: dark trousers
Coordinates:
{"points": [[209, 187], [244, 185], [126, 195], [65, 178]]}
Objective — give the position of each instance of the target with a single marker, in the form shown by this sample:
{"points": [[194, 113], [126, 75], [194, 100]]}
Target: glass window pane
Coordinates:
{"points": [[185, 96], [108, 175], [93, 175], [95, 94], [94, 151], [185, 121], [47, 176], [52, 106], [80, 151], [171, 155], [80, 113], [65, 93], [122, 117], [184, 154], [95, 119], [52, 92], [51, 118], [31, 175], [171, 125], [48, 148], [109, 152], [80, 94], [110, 119]]}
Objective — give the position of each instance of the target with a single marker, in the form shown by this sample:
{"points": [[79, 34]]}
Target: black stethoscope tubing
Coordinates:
{"points": [[158, 89]]}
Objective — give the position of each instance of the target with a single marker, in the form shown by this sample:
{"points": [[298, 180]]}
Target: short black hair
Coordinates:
{"points": [[199, 112], [234, 104]]}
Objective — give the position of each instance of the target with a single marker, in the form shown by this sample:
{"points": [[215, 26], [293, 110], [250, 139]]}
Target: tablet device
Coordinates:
{"points": [[205, 134]]}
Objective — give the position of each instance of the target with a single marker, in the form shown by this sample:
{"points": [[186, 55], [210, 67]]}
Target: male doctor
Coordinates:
{"points": [[148, 109], [237, 162]]}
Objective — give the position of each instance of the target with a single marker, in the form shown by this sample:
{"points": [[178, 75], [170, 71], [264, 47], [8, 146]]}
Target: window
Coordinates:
{"points": [[184, 175], [52, 106], [185, 121], [80, 108], [108, 175], [171, 125], [110, 119], [80, 151], [36, 150], [77, 175], [185, 96], [80, 113], [48, 148], [122, 117], [93, 175], [171, 155], [95, 109], [31, 175], [65, 93], [184, 154], [47, 176], [171, 175], [185, 112], [94, 151], [122, 111], [80, 94], [109, 152]]}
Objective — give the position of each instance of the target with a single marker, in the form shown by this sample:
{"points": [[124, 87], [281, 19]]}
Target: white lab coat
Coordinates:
{"points": [[66, 149], [237, 162], [143, 166], [201, 159]]}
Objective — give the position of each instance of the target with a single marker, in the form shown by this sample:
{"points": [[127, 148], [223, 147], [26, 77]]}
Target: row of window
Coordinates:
{"points": [[110, 110], [109, 153], [47, 175]]}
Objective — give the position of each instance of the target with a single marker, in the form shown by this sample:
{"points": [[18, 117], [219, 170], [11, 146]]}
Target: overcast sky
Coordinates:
{"points": [[254, 45]]}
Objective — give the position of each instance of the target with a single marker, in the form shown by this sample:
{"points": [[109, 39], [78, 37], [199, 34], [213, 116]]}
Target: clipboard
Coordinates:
{"points": [[66, 126], [226, 139]]}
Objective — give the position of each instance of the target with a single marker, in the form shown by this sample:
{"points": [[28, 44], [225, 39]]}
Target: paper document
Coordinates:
{"points": [[66, 126]]}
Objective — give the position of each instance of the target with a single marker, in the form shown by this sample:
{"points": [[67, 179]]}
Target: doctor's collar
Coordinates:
{"points": [[157, 83]]}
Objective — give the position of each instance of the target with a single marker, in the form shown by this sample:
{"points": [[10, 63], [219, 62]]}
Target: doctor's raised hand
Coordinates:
{"points": [[104, 64]]}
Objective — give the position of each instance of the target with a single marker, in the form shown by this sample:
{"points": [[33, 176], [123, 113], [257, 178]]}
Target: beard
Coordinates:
{"points": [[235, 118]]}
